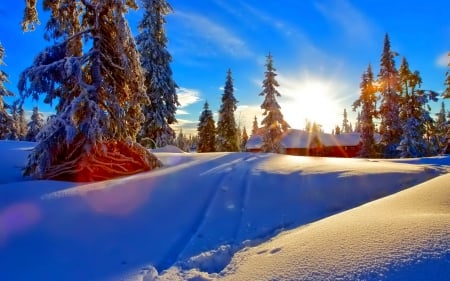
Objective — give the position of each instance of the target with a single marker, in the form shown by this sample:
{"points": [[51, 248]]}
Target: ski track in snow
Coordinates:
{"points": [[223, 194]]}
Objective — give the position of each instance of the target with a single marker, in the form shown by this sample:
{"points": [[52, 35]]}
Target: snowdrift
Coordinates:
{"points": [[233, 216]]}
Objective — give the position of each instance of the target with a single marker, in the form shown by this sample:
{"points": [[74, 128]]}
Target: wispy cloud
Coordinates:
{"points": [[188, 126], [443, 60], [354, 23], [281, 26], [187, 97], [209, 37]]}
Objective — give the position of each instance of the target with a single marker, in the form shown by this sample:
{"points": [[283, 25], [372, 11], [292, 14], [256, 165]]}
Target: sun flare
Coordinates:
{"points": [[315, 100]]}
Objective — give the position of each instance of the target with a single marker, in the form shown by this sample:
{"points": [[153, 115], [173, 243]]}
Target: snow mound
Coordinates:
{"points": [[405, 236]]}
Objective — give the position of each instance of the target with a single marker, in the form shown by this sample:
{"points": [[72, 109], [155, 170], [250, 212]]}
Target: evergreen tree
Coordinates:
{"points": [[244, 139], [337, 130], [413, 114], [255, 126], [227, 135], [358, 123], [19, 127], [273, 123], [6, 121], [388, 82], [316, 128], [14, 130], [181, 141], [100, 88], [447, 81], [22, 123], [206, 131], [367, 101], [346, 126], [35, 125], [442, 128], [155, 60]]}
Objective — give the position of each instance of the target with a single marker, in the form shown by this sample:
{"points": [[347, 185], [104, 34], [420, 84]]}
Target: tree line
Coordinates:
{"points": [[227, 136], [114, 92], [395, 99]]}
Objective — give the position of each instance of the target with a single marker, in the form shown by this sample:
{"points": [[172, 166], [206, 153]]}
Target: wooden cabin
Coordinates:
{"points": [[302, 143]]}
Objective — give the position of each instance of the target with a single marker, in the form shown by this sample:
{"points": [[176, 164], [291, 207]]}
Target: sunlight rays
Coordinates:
{"points": [[313, 98]]}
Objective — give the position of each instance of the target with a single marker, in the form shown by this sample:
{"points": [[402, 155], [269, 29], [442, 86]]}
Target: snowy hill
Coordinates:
{"points": [[233, 216]]}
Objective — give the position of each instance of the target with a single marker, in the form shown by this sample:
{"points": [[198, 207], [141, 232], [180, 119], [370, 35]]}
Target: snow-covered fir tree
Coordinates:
{"points": [[244, 139], [255, 126], [273, 124], [346, 126], [413, 114], [182, 141], [337, 130], [227, 132], [161, 87], [442, 127], [35, 125], [22, 123], [388, 84], [447, 81], [313, 127], [358, 123], [206, 131], [6, 121], [100, 88], [19, 128], [367, 101]]}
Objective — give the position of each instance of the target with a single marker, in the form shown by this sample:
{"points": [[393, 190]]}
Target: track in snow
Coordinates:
{"points": [[219, 220]]}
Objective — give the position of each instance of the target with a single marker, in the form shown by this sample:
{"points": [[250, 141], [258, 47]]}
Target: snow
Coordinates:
{"points": [[231, 216], [168, 149]]}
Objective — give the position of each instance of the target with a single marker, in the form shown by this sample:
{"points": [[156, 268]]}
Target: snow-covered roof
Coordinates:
{"points": [[302, 139], [345, 139], [254, 142], [294, 138], [297, 139]]}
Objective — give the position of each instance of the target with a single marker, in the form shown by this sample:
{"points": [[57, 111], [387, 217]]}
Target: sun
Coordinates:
{"points": [[315, 100]]}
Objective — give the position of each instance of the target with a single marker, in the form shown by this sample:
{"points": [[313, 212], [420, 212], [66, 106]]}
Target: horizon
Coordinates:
{"points": [[320, 51]]}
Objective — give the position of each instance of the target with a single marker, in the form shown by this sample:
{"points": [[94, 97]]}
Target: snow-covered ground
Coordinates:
{"points": [[231, 216]]}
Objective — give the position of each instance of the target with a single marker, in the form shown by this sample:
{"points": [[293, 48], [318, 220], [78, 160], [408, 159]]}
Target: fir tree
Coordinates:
{"points": [[442, 128], [14, 130], [155, 60], [181, 141], [337, 130], [19, 127], [35, 125], [100, 88], [273, 123], [244, 139], [22, 123], [6, 121], [206, 131], [227, 133], [346, 126], [358, 123], [447, 81], [367, 102], [388, 82], [413, 114], [255, 126]]}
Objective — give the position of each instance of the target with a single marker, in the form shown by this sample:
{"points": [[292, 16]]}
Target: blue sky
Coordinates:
{"points": [[320, 50]]}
